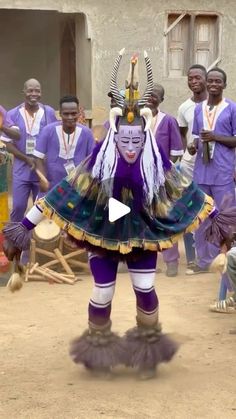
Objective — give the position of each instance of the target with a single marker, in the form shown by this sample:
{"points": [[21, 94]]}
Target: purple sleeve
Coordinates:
{"points": [[50, 114], [41, 146], [196, 130], [176, 145], [90, 142], [233, 119]]}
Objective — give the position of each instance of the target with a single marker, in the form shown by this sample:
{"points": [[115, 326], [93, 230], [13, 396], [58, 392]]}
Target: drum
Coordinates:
{"points": [[70, 247], [47, 236]]}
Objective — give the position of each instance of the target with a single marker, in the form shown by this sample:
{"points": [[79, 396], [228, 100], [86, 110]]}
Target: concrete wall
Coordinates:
{"points": [[83, 62], [24, 56], [138, 25]]}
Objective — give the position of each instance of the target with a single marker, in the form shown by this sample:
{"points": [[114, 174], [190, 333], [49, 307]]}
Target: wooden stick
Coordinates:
{"points": [[61, 240], [45, 252], [79, 264], [64, 263], [32, 252], [37, 277], [75, 253], [42, 178], [27, 275], [48, 275], [33, 268], [67, 256], [51, 263], [60, 276], [55, 275]]}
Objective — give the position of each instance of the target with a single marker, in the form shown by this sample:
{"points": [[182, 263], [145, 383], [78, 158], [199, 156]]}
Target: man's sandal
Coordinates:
{"points": [[227, 306]]}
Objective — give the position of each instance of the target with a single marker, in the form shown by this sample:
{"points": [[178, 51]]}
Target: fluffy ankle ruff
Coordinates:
{"points": [[146, 347], [18, 235], [98, 350]]}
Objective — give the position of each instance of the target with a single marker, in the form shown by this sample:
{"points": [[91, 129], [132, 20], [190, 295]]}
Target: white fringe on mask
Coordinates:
{"points": [[152, 172], [105, 165]]}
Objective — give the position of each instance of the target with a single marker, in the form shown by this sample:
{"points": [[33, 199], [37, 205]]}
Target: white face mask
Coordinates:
{"points": [[130, 141]]}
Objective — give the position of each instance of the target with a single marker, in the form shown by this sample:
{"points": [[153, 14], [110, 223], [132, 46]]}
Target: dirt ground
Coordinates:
{"points": [[38, 380]]}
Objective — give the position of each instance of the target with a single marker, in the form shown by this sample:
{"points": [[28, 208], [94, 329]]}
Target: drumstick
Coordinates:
{"points": [[42, 178]]}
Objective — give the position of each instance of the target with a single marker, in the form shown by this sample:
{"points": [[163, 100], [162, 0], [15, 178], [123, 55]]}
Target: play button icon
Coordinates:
{"points": [[116, 210]]}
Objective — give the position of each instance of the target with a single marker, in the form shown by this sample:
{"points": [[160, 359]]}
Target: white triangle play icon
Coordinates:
{"points": [[116, 210]]}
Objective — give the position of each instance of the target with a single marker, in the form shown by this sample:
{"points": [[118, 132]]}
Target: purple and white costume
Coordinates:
{"points": [[24, 180], [128, 166], [217, 177]]}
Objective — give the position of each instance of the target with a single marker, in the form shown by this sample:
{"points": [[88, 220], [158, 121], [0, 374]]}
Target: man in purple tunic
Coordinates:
{"points": [[214, 129], [166, 131], [62, 145], [30, 116]]}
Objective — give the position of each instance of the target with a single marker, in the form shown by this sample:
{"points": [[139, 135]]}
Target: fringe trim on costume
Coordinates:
{"points": [[98, 349], [146, 347], [125, 247], [18, 235]]}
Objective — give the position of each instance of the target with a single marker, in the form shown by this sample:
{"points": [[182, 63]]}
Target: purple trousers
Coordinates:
{"points": [[206, 252], [171, 255], [142, 273], [21, 190]]}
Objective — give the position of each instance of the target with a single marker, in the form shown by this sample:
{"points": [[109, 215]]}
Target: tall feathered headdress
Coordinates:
{"points": [[131, 107], [131, 110]]}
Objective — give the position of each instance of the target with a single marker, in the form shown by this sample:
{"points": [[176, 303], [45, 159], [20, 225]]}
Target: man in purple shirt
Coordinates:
{"points": [[214, 129], [30, 116], [166, 131], [62, 145], [165, 127]]}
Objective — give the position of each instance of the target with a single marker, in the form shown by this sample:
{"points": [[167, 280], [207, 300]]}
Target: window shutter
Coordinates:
{"points": [[177, 46], [205, 44]]}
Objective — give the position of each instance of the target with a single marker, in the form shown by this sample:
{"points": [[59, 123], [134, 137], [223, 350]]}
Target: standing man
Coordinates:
{"points": [[30, 116], [62, 145], [166, 132], [197, 84], [215, 130]]}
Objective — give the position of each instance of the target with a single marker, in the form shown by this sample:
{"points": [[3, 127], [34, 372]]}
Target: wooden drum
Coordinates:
{"points": [[47, 237]]}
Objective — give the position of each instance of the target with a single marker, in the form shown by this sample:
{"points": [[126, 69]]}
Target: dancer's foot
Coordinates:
{"points": [[100, 372], [147, 373]]}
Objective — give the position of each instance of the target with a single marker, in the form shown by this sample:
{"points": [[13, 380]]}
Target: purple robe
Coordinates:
{"points": [[55, 146], [220, 170], [215, 178], [167, 134], [20, 169]]}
